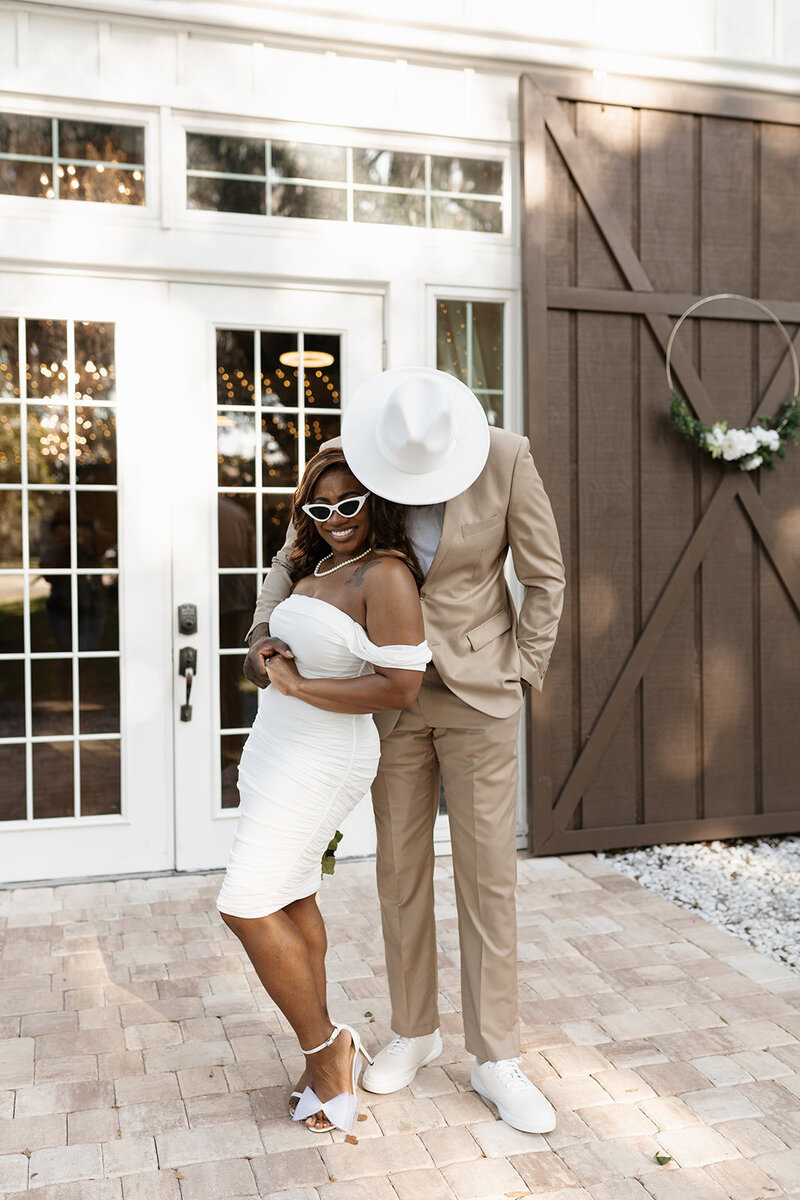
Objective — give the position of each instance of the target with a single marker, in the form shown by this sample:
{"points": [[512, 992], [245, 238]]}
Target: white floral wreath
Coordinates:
{"points": [[756, 445]]}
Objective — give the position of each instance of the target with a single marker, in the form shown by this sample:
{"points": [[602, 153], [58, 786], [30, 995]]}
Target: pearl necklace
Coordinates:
{"points": [[319, 574]]}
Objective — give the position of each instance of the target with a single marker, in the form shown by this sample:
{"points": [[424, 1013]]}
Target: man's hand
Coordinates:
{"points": [[262, 649]]}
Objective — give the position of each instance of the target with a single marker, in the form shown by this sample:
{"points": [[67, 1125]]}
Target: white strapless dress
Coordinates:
{"points": [[304, 769]]}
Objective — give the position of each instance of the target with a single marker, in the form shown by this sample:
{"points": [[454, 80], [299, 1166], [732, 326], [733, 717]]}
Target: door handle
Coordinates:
{"points": [[187, 666]]}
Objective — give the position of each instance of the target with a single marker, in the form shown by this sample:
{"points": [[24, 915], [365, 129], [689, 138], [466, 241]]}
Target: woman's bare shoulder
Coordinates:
{"points": [[389, 571]]}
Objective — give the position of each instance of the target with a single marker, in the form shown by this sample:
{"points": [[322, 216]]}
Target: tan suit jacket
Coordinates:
{"points": [[481, 647]]}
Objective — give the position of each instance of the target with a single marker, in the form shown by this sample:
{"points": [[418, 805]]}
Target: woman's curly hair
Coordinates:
{"points": [[387, 522]]}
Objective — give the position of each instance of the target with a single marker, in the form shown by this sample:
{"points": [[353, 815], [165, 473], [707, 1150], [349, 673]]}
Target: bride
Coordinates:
{"points": [[347, 642]]}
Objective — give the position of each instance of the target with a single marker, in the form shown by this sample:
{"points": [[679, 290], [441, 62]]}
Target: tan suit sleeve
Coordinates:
{"points": [[536, 554], [276, 586]]}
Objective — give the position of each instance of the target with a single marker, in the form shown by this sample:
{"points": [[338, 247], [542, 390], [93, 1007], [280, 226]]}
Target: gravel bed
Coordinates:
{"points": [[750, 888]]}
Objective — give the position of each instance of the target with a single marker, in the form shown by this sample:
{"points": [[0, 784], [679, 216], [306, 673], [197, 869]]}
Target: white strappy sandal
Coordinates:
{"points": [[341, 1110]]}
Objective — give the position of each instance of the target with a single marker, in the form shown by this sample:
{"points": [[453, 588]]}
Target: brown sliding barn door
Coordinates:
{"points": [[671, 706]]}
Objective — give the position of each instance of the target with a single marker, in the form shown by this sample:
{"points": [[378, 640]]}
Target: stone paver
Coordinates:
{"points": [[140, 1059]]}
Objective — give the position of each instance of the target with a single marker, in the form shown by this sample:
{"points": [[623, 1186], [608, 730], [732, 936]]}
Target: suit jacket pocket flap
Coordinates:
{"points": [[482, 634], [474, 528]]}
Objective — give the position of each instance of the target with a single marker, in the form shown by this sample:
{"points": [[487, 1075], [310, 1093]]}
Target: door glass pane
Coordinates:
{"points": [[46, 368], [9, 357], [53, 780], [279, 362], [10, 445], [236, 449], [469, 345], [12, 602], [230, 752], [236, 369], [97, 529], [99, 692], [51, 613], [95, 444], [100, 777], [94, 363], [51, 696], [98, 612], [237, 598], [276, 513], [319, 429], [279, 448], [71, 526], [49, 528], [48, 444], [12, 698], [237, 530], [12, 793], [321, 370], [238, 697]]}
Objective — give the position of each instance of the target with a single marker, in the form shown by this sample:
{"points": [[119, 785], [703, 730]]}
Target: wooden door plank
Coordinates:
{"points": [[608, 566], [577, 841], [779, 632], [635, 666], [727, 365], [563, 673], [534, 297], [586, 299]]}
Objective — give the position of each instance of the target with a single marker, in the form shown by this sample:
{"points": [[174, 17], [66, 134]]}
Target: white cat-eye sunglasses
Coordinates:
{"points": [[345, 508]]}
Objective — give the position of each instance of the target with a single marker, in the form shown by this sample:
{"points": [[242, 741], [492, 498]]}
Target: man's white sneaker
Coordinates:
{"points": [[397, 1064], [518, 1102]]}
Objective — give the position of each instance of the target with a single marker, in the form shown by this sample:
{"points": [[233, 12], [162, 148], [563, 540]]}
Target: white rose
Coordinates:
{"points": [[767, 437], [734, 446], [752, 463], [714, 439]]}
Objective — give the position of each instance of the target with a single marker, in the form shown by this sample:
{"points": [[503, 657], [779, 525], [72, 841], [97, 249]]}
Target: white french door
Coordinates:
{"points": [[259, 379], [85, 459]]}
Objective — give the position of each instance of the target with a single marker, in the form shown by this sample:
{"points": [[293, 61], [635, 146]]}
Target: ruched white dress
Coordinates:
{"points": [[304, 769]]}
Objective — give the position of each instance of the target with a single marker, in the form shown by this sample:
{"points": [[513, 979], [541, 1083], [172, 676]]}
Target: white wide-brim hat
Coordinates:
{"points": [[415, 435]]}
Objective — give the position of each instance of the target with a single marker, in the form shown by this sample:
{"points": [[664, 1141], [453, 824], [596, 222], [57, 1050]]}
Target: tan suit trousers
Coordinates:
{"points": [[477, 758]]}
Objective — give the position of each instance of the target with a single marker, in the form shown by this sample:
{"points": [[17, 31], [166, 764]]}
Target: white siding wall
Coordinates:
{"points": [[755, 42]]}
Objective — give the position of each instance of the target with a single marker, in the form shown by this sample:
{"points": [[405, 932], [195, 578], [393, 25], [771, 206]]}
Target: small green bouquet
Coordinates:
{"points": [[329, 857]]}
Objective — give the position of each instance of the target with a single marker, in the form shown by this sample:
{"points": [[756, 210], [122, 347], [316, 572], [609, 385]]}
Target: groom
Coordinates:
{"points": [[420, 437]]}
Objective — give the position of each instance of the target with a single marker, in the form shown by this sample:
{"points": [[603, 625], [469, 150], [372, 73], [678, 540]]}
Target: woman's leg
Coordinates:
{"points": [[278, 951], [308, 919]]}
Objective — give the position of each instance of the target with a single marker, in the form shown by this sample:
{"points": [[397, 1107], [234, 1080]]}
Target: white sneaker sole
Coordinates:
{"points": [[508, 1117], [400, 1081]]}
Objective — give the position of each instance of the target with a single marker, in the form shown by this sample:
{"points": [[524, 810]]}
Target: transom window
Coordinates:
{"points": [[59, 159], [278, 399], [469, 345], [59, 626], [343, 183]]}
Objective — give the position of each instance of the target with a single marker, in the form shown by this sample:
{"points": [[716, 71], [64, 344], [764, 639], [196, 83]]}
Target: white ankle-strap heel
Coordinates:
{"points": [[341, 1110]]}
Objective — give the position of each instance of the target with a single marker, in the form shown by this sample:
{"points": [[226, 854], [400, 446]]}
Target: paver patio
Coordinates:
{"points": [[140, 1059]]}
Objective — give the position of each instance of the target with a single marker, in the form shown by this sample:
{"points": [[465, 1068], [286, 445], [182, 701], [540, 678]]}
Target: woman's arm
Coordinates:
{"points": [[394, 617]]}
